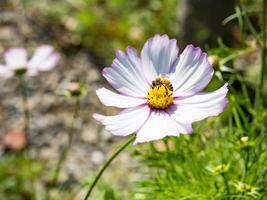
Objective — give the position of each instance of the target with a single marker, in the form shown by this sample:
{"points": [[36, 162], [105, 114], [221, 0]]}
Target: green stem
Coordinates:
{"points": [[259, 91], [170, 160], [246, 162], [26, 112], [226, 184], [249, 24], [105, 166], [65, 151], [264, 49]]}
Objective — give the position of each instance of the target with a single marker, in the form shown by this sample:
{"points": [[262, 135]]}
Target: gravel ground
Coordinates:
{"points": [[51, 114]]}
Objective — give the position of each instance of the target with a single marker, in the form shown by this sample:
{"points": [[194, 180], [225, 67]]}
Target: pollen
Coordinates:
{"points": [[160, 94]]}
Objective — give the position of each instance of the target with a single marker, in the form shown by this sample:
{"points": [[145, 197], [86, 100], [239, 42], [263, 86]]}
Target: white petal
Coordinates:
{"points": [[126, 122], [32, 72], [158, 56], [40, 55], [110, 98], [49, 63], [16, 58], [126, 76], [5, 72], [200, 106], [158, 126], [193, 72]]}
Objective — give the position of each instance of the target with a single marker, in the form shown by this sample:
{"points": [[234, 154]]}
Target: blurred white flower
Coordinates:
{"points": [[160, 91], [17, 63]]}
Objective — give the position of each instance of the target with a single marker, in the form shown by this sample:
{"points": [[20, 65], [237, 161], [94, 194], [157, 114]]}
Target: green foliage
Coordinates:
{"points": [[18, 173], [105, 26]]}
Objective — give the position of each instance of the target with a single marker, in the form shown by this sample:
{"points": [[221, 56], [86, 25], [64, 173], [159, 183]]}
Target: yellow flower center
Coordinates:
{"points": [[160, 94]]}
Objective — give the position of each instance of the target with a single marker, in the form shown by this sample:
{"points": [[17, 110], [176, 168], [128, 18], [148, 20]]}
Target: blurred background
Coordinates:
{"points": [[87, 33]]}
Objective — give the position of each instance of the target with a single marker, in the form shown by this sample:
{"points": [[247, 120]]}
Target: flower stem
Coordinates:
{"points": [[264, 48], [246, 162], [26, 112], [226, 184], [259, 91], [65, 151], [131, 139], [249, 23]]}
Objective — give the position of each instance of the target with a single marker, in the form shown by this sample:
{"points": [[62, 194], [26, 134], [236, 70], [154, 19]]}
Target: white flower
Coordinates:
{"points": [[43, 59], [160, 91]]}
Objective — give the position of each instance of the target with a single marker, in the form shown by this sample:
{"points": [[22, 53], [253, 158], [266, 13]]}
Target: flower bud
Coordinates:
{"points": [[215, 61], [74, 89]]}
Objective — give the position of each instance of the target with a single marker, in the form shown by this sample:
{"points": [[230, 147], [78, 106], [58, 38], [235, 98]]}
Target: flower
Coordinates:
{"points": [[160, 91], [73, 89], [43, 59]]}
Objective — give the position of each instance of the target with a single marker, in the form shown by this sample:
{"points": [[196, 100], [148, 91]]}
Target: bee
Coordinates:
{"points": [[164, 82], [157, 82], [167, 84]]}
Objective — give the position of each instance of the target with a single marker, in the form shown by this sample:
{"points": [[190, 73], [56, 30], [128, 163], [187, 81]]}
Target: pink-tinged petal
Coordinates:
{"points": [[40, 55], [125, 75], [32, 72], [49, 63], [200, 106], [193, 72], [110, 98], [158, 56], [16, 58], [158, 125], [184, 127], [126, 122], [5, 72]]}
